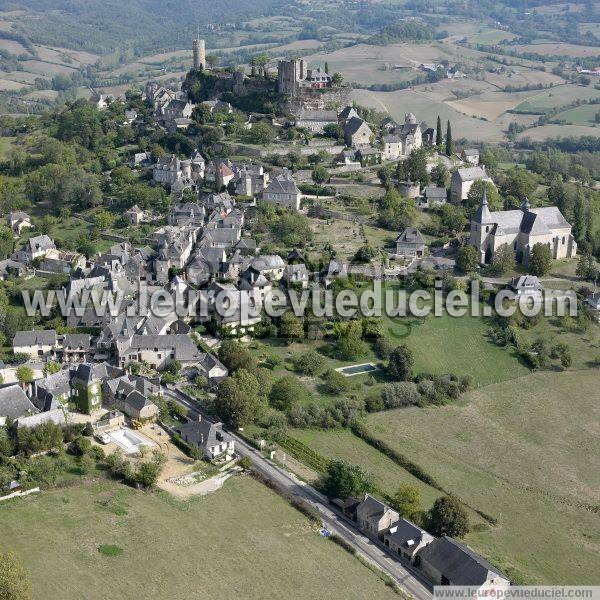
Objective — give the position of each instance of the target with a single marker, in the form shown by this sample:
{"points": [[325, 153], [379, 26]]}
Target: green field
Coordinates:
{"points": [[243, 541], [556, 97], [580, 115], [341, 444], [525, 452], [443, 345]]}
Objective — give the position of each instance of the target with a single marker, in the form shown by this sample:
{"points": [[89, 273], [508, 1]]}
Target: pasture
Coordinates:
{"points": [[525, 452], [547, 100], [243, 540]]}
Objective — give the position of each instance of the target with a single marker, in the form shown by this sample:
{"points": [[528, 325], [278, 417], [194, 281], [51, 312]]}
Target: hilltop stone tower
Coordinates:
{"points": [[199, 54]]}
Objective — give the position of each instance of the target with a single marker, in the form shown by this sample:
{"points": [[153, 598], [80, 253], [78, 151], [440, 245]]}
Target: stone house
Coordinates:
{"points": [[137, 406], [391, 147], [283, 191], [36, 343], [169, 169], [208, 437], [374, 517], [134, 215], [357, 132], [14, 404], [38, 246], [17, 221], [75, 347], [448, 562], [520, 230], [157, 350], [526, 285], [471, 156], [405, 539], [316, 120], [410, 243], [463, 179], [368, 156], [433, 196]]}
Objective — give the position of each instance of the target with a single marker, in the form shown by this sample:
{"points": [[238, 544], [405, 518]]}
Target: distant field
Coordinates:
{"points": [[581, 115], [550, 131], [547, 100], [559, 49], [6, 85], [526, 452], [403, 101], [242, 541]]}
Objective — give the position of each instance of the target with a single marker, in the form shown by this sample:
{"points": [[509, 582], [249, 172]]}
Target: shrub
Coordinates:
{"points": [[399, 394], [310, 363], [335, 383], [110, 550]]}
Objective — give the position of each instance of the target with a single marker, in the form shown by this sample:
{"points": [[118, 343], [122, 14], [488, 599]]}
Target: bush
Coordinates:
{"points": [[288, 391], [374, 403], [310, 363], [335, 383], [383, 348], [399, 394]]}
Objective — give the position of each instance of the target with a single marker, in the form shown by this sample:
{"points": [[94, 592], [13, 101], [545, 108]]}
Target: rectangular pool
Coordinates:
{"points": [[128, 440], [358, 369]]}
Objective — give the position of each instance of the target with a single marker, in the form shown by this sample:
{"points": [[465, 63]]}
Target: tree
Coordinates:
{"points": [[148, 472], [349, 343], [504, 260], [14, 579], [337, 80], [448, 517], [407, 500], [586, 267], [234, 356], [344, 480], [475, 195], [366, 253], [212, 60], [25, 374], [237, 401], [439, 136], [335, 383], [50, 368], [333, 130], [400, 363], [449, 143], [327, 67], [288, 391], [320, 175], [467, 259], [291, 327], [310, 363], [261, 133], [104, 219], [440, 175], [540, 260]]}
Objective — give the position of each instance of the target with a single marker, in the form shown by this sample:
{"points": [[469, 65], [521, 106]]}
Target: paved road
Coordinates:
{"points": [[412, 582]]}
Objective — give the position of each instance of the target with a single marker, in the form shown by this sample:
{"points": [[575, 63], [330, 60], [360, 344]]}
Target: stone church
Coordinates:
{"points": [[521, 229]]}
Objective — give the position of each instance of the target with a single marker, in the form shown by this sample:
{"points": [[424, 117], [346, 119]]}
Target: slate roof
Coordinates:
{"points": [[40, 243], [348, 113], [203, 433], [472, 173], [460, 564], [56, 416], [75, 341], [433, 191], [35, 337], [14, 403], [317, 115], [353, 125], [407, 535], [268, 262], [284, 183], [411, 235]]}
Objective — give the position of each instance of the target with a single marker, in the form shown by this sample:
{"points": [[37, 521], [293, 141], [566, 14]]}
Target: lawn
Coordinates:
{"points": [[342, 444], [103, 540], [525, 452], [445, 344]]}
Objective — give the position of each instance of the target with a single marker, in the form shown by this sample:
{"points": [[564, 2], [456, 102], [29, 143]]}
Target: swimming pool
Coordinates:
{"points": [[358, 369], [128, 440]]}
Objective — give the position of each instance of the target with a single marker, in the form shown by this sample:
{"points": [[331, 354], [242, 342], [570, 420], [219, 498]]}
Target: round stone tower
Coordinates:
{"points": [[199, 54]]}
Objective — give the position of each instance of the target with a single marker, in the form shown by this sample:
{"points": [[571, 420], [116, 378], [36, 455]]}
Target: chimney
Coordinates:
{"points": [[199, 418]]}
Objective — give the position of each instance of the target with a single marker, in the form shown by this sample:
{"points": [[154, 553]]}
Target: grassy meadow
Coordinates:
{"points": [[103, 540]]}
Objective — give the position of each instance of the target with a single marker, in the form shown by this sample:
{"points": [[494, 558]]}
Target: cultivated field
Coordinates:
{"points": [[551, 131], [240, 541], [526, 452], [545, 101]]}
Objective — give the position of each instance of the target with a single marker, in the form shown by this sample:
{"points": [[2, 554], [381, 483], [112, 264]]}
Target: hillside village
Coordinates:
{"points": [[239, 173]]}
